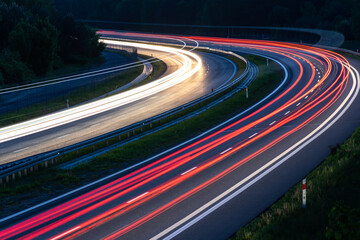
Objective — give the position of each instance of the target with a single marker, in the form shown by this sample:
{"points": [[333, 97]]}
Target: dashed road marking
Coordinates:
{"points": [[189, 170], [63, 136], [225, 151], [21, 150], [253, 135], [130, 201]]}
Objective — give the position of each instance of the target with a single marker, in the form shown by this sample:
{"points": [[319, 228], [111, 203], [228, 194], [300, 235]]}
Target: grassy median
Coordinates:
{"points": [[333, 202], [52, 182]]}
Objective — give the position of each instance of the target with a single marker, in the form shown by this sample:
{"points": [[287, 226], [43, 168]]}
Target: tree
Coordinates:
{"points": [[10, 15], [78, 42], [279, 16], [12, 70], [36, 44]]}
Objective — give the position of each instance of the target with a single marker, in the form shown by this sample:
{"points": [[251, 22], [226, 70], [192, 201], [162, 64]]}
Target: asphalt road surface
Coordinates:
{"points": [[12, 100], [214, 72], [209, 186]]}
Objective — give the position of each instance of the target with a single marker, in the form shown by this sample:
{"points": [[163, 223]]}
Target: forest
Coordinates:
{"points": [[35, 39], [340, 15]]}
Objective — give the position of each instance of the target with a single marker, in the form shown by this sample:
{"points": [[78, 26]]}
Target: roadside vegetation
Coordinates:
{"points": [[82, 94], [338, 15], [159, 68], [35, 40], [51, 182], [333, 202], [75, 97]]}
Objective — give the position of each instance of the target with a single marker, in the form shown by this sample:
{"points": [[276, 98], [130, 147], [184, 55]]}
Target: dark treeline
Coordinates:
{"points": [[34, 40], [340, 15]]}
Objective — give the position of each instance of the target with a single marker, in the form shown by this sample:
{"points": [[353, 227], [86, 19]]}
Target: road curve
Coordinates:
{"points": [[71, 126], [208, 186]]}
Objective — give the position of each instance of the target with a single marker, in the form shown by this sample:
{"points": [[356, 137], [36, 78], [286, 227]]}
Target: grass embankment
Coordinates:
{"points": [[75, 97], [52, 182], [67, 69], [333, 202], [353, 45], [159, 68]]}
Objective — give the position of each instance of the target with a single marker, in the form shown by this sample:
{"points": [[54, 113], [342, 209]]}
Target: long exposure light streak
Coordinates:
{"points": [[302, 102], [191, 63]]}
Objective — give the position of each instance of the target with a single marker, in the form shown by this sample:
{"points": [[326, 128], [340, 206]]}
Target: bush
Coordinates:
{"points": [[36, 44], [343, 223], [77, 42], [12, 69], [40, 40]]}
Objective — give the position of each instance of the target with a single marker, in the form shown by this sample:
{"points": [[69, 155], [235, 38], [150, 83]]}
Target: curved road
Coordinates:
{"points": [[25, 96], [214, 72], [207, 187]]}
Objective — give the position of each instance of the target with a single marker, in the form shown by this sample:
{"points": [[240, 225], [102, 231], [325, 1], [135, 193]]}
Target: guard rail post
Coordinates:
{"points": [[165, 118]]}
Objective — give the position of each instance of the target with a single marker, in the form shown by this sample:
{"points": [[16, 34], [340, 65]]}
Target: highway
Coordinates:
{"points": [[208, 186], [71, 126], [21, 96]]}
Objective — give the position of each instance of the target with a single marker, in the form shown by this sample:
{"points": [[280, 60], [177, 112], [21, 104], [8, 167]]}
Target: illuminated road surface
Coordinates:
{"points": [[183, 82], [207, 187]]}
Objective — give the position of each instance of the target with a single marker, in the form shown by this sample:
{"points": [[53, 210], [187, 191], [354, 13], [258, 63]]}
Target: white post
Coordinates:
{"points": [[267, 62], [247, 93], [304, 193], [67, 103]]}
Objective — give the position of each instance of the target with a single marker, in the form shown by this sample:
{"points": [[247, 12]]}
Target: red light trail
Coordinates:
{"points": [[315, 99]]}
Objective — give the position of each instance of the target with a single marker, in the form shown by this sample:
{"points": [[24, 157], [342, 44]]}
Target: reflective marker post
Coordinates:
{"points": [[304, 193], [247, 93]]}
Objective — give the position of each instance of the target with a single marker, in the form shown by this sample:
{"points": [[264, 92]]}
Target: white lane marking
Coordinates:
{"points": [[157, 155], [225, 151], [272, 123], [191, 65], [276, 162], [287, 112], [319, 76], [188, 171], [65, 233], [298, 104], [130, 201], [306, 97], [63, 136], [253, 135], [21, 150]]}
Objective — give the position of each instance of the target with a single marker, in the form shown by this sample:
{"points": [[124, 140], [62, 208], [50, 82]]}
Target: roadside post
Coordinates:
{"points": [[304, 193]]}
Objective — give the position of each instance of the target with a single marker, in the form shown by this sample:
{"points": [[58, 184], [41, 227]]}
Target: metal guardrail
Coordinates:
{"points": [[10, 169], [253, 72]]}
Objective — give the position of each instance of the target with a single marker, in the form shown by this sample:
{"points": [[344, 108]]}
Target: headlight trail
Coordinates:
{"points": [[304, 100], [191, 63], [59, 80]]}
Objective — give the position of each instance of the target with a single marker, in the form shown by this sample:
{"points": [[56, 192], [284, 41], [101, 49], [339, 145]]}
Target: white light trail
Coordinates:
{"points": [[191, 63]]}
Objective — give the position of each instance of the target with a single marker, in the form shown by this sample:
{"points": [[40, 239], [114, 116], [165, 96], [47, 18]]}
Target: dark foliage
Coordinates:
{"points": [[340, 15], [77, 41], [34, 39]]}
